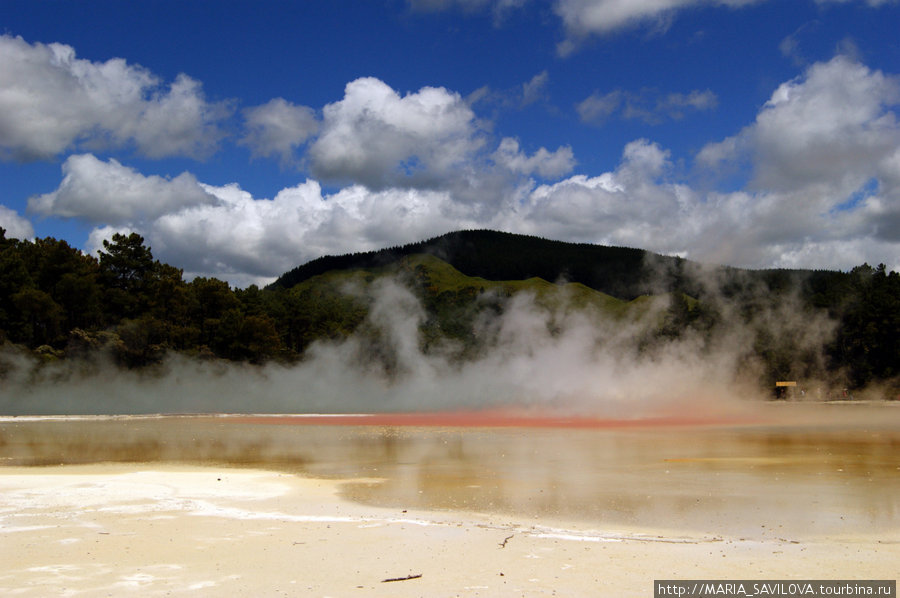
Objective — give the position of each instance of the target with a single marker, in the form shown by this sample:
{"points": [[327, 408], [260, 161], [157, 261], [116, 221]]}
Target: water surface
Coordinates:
{"points": [[797, 472]]}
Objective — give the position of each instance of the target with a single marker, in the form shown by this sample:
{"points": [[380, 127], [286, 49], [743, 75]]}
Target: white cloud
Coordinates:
{"points": [[375, 137], [826, 146], [582, 18], [627, 206], [543, 162], [429, 139], [108, 192], [247, 240], [51, 101], [824, 153], [640, 205], [832, 124], [278, 128], [15, 226], [177, 123], [718, 155], [105, 233]]}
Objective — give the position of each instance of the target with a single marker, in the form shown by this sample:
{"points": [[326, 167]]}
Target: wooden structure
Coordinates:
{"points": [[785, 389]]}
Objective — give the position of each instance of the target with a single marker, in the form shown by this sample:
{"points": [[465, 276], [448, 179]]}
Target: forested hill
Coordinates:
{"points": [[619, 271], [622, 272]]}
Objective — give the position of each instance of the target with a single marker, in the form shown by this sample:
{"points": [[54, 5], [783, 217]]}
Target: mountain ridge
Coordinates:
{"points": [[496, 255], [623, 272]]}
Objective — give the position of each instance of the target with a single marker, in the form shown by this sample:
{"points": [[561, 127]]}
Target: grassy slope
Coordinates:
{"points": [[433, 277]]}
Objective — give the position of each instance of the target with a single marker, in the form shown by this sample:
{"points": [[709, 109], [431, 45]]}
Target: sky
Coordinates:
{"points": [[242, 138]]}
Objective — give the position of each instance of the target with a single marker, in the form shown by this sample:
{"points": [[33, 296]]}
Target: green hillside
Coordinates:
{"points": [[452, 300], [435, 277], [619, 271]]}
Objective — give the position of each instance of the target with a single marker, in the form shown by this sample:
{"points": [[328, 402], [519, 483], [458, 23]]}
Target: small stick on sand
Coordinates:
{"points": [[505, 540], [408, 577]]}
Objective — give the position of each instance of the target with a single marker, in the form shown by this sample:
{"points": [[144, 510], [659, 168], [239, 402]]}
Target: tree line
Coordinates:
{"points": [[57, 302]]}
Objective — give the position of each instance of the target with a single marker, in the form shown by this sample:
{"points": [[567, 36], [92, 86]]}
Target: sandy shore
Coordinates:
{"points": [[160, 530]]}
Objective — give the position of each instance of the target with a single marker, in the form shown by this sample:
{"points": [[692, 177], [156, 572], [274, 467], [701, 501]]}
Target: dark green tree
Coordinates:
{"points": [[39, 317], [868, 343], [126, 268], [14, 277]]}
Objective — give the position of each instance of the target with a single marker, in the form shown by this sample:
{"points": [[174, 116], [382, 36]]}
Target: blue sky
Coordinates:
{"points": [[242, 138]]}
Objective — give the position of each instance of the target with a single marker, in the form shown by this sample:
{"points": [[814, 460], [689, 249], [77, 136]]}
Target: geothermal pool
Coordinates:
{"points": [[806, 490], [800, 469]]}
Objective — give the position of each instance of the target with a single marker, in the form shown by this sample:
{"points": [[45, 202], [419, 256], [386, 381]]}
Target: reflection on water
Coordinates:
{"points": [[776, 481]]}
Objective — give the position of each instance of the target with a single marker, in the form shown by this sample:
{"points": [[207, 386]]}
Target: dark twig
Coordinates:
{"points": [[408, 577], [505, 540]]}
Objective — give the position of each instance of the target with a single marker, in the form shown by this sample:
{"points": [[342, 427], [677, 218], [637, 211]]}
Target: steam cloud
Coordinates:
{"points": [[530, 357]]}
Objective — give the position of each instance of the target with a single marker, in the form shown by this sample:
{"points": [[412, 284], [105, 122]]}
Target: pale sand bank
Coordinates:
{"points": [[159, 530]]}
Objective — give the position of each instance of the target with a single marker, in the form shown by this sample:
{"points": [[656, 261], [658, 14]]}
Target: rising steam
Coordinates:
{"points": [[530, 357]]}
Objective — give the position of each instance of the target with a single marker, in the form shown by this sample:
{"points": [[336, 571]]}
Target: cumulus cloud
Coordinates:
{"points": [[244, 239], [641, 204], [543, 162], [15, 226], [429, 139], [827, 144], [648, 105], [51, 101], [831, 123], [376, 137], [277, 128], [248, 240], [108, 192], [628, 206], [227, 233]]}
